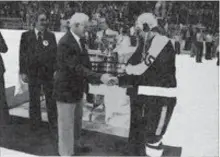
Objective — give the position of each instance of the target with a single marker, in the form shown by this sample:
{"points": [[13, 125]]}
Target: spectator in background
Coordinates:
{"points": [[22, 15], [2, 12], [55, 17], [209, 43], [217, 56], [177, 40], [215, 44], [30, 17], [63, 22], [194, 40], [133, 36], [188, 38], [199, 45], [104, 32], [123, 41], [92, 34], [4, 112], [161, 26], [68, 11]]}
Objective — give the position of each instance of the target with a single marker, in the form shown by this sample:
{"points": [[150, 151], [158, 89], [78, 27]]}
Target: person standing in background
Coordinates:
{"points": [[133, 36], [103, 35], [38, 50], [209, 43], [194, 47], [4, 113], [199, 45], [177, 40], [30, 17], [55, 17], [217, 56], [215, 44], [188, 40]]}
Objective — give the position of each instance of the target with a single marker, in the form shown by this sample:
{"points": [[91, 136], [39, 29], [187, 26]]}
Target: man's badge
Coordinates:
{"points": [[45, 43]]}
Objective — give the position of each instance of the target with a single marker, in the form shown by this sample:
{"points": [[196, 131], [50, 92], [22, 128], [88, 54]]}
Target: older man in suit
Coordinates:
{"points": [[38, 50], [4, 114], [71, 82]]}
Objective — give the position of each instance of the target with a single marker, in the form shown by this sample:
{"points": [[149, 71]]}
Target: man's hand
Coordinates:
{"points": [[109, 80], [129, 69], [24, 78], [105, 78], [113, 81]]}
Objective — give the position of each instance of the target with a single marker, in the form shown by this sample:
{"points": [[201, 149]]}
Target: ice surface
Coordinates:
{"points": [[194, 124]]}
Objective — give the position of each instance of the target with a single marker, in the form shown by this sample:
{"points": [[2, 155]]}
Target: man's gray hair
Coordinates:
{"points": [[78, 18]]}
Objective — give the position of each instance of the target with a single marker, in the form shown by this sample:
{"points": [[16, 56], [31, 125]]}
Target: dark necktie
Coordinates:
{"points": [[104, 32], [39, 39], [82, 43]]}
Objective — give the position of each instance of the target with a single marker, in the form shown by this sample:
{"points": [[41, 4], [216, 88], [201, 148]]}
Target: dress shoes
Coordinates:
{"points": [[82, 150]]}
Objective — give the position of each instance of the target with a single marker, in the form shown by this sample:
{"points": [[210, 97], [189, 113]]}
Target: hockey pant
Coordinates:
{"points": [[150, 116]]}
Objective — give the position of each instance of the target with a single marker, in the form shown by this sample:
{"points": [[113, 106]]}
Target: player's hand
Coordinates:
{"points": [[109, 79]]}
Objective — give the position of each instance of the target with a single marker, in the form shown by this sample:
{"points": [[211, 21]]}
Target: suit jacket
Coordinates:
{"points": [[3, 49], [73, 70], [36, 61]]}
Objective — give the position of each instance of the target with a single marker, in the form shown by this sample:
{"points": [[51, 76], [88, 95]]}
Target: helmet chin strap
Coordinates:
{"points": [[147, 37]]}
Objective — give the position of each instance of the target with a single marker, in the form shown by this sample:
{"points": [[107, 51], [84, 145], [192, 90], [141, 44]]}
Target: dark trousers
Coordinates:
{"points": [[35, 108], [199, 52], [208, 54], [188, 44], [177, 47], [150, 117], [217, 59], [193, 50], [4, 111], [133, 40]]}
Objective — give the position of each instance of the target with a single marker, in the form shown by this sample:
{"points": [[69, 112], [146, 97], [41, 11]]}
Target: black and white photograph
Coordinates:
{"points": [[109, 78]]}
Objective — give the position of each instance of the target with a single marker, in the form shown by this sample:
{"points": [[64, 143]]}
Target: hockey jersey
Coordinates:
{"points": [[156, 69]]}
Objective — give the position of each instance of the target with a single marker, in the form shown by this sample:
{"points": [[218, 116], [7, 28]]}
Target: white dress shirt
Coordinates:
{"points": [[208, 38], [36, 32], [77, 39]]}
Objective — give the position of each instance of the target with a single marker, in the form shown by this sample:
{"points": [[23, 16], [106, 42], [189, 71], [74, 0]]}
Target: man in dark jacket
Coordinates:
{"points": [[71, 82], [38, 50], [4, 113]]}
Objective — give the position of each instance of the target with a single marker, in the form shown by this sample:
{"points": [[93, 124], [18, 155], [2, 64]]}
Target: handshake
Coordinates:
{"points": [[109, 80]]}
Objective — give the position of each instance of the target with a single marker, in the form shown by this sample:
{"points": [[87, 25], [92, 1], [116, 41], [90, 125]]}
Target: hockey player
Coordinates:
{"points": [[152, 73]]}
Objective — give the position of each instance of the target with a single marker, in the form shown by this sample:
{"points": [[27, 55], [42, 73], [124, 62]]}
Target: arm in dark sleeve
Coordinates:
{"points": [[128, 80], [3, 46], [131, 80], [23, 55], [54, 51], [70, 59]]}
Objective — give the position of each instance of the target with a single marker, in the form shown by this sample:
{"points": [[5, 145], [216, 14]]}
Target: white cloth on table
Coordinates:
{"points": [[115, 99], [21, 87]]}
